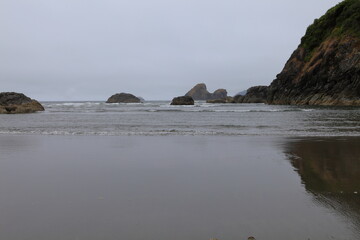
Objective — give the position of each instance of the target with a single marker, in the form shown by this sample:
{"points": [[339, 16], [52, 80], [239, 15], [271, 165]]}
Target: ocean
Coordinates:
{"points": [[97, 171], [161, 118]]}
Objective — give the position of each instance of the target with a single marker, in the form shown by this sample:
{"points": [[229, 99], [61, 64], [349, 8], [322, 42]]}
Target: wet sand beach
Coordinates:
{"points": [[178, 187]]}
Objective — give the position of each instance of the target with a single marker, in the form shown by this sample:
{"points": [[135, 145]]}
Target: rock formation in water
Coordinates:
{"points": [[11, 102], [200, 92], [183, 100], [221, 100], [257, 94], [123, 98], [219, 94], [242, 93], [325, 68]]}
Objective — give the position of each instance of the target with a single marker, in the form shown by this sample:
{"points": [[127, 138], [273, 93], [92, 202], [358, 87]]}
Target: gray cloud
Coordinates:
{"points": [[158, 49]]}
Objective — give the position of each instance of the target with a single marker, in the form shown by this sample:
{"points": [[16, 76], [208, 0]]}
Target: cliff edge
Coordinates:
{"points": [[325, 68]]}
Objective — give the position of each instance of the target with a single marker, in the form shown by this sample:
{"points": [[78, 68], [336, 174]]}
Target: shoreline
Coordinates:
{"points": [[158, 119]]}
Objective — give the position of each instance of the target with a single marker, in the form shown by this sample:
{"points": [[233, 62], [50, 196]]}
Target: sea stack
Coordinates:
{"points": [[123, 98], [183, 100], [12, 102], [257, 94], [325, 68], [200, 92]]}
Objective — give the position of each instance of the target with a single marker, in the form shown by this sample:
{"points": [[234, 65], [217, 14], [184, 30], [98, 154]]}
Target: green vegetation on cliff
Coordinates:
{"points": [[343, 19], [325, 68]]}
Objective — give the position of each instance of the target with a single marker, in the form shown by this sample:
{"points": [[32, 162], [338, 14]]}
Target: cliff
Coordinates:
{"points": [[200, 92], [325, 68]]}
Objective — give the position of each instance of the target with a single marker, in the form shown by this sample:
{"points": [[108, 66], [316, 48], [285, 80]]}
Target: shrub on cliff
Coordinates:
{"points": [[343, 19]]}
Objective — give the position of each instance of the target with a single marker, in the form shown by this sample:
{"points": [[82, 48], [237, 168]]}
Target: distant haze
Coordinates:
{"points": [[156, 49]]}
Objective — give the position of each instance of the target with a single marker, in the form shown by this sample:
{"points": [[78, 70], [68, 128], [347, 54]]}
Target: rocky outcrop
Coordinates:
{"points": [[200, 92], [242, 93], [325, 68], [230, 99], [183, 100], [123, 98], [11, 102], [221, 100], [257, 94], [219, 94]]}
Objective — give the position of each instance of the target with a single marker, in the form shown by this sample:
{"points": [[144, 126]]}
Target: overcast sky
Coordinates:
{"points": [[156, 49]]}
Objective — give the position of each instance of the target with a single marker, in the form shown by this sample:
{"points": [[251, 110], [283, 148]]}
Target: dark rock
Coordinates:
{"points": [[325, 68], [11, 102], [238, 98], [216, 101], [219, 94], [200, 92], [230, 99], [183, 100], [257, 94], [221, 100], [9, 98], [10, 109], [123, 98], [242, 93]]}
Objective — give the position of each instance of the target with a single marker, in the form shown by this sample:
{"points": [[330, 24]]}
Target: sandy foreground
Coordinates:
{"points": [[178, 187]]}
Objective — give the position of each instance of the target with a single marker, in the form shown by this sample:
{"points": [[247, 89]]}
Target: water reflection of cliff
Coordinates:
{"points": [[330, 170]]}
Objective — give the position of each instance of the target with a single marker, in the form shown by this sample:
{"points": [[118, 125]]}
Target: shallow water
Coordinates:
{"points": [[178, 187], [160, 118], [91, 170]]}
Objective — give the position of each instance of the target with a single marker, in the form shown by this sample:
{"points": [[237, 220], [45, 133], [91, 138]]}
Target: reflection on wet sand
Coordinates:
{"points": [[330, 170]]}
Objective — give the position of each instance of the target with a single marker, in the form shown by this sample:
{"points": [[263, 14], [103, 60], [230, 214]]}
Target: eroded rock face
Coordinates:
{"points": [[200, 92], [183, 100], [331, 77], [257, 94], [123, 98], [325, 68], [11, 103]]}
